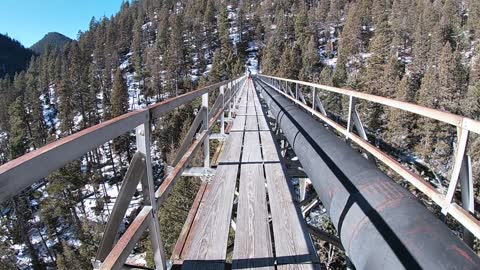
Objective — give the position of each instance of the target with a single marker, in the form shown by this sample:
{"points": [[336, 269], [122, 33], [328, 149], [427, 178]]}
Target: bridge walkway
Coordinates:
{"points": [[269, 230]]}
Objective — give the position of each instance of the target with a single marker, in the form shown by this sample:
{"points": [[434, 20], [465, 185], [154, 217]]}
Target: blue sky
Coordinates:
{"points": [[29, 20]]}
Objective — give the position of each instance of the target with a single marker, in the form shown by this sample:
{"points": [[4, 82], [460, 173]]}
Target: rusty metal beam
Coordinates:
{"points": [[445, 117], [190, 135], [22, 172], [136, 171], [129, 239]]}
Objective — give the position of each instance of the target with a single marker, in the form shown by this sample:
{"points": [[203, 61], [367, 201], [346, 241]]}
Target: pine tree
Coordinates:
{"points": [[70, 260], [351, 41], [137, 46], [217, 72], [441, 89], [223, 26], [401, 123], [18, 141], [284, 69], [373, 79], [450, 22], [335, 12], [119, 101], [269, 61], [473, 18], [301, 24], [310, 60]]}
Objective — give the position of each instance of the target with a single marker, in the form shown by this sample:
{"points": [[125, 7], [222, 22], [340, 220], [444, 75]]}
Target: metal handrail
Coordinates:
{"points": [[24, 171], [445, 117], [463, 124]]}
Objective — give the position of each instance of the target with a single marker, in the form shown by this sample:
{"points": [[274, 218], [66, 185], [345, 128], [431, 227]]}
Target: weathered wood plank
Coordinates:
{"points": [[262, 123], [188, 223], [268, 147], [293, 245], [238, 123], [232, 149], [206, 246], [251, 148], [253, 246], [251, 123]]}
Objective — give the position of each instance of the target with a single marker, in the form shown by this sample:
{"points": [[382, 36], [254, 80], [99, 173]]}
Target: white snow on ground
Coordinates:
{"points": [[330, 62], [252, 61], [147, 25]]}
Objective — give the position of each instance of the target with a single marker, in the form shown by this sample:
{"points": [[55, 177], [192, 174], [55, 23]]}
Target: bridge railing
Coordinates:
{"points": [[21, 173], [461, 167]]}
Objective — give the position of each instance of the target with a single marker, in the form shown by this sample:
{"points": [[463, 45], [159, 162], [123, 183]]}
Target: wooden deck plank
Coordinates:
{"points": [[253, 246], [293, 245], [232, 148], [206, 246], [269, 150], [251, 148], [251, 123], [262, 123], [238, 123]]}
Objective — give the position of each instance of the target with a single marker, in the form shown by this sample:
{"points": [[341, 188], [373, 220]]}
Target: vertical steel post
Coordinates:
{"points": [[296, 91], [222, 116], [457, 165], [231, 96], [314, 96], [143, 145], [302, 188], [466, 186], [351, 105], [206, 142]]}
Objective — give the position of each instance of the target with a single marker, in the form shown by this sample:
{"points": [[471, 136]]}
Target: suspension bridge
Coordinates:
{"points": [[246, 186]]}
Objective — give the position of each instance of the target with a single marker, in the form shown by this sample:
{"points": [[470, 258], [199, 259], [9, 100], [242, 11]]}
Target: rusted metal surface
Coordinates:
{"points": [[143, 134], [172, 103], [26, 170], [164, 190], [446, 117], [166, 186], [459, 156], [127, 242], [190, 135], [22, 172], [136, 171], [464, 217]]}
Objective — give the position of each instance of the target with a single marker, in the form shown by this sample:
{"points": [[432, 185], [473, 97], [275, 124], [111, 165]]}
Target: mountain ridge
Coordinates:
{"points": [[51, 39], [14, 57]]}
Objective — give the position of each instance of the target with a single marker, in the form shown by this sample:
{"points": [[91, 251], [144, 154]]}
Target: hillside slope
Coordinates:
{"points": [[13, 56], [53, 40]]}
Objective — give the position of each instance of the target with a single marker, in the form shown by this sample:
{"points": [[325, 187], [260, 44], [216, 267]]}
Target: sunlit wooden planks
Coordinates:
{"points": [[253, 243], [293, 246], [206, 245], [253, 246]]}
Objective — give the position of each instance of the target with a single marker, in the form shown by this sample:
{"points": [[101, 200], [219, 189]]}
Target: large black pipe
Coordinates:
{"points": [[381, 225]]}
